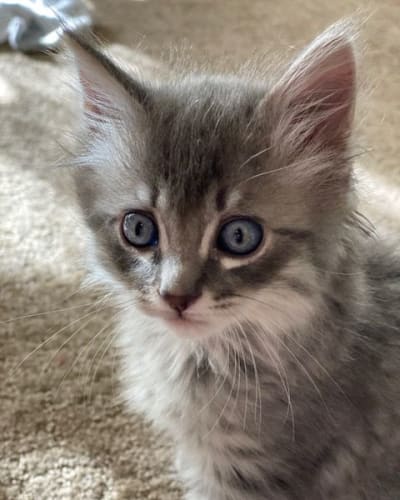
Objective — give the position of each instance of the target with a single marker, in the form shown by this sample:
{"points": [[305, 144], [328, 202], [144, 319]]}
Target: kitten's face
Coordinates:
{"points": [[207, 210]]}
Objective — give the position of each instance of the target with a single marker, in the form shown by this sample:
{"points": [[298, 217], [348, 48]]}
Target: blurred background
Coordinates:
{"points": [[63, 432]]}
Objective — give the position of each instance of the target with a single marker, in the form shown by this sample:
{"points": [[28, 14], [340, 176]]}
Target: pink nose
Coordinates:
{"points": [[179, 302]]}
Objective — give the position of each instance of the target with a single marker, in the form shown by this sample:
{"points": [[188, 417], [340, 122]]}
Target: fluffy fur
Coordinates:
{"points": [[281, 382]]}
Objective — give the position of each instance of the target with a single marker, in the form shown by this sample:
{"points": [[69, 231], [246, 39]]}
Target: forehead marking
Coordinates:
{"points": [[162, 200], [143, 194], [233, 199]]}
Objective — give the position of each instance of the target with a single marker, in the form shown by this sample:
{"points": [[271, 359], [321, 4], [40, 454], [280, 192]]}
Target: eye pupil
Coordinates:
{"points": [[139, 229], [238, 236]]}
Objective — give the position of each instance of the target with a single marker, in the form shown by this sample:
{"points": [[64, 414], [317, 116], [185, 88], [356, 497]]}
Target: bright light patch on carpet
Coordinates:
{"points": [[380, 199], [7, 92], [56, 473]]}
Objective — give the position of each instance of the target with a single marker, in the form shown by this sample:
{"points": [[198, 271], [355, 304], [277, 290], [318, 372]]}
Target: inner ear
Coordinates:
{"points": [[316, 95], [107, 89]]}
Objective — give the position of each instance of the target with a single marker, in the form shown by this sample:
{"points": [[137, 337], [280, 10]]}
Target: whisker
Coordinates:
{"points": [[254, 156], [284, 380], [84, 350], [111, 336], [306, 373], [48, 340], [219, 388], [257, 380], [245, 378], [226, 401], [237, 361], [78, 330], [263, 174], [239, 358], [318, 363], [53, 311], [296, 359]]}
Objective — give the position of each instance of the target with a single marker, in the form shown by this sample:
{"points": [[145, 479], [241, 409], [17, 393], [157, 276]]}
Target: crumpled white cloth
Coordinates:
{"points": [[34, 25]]}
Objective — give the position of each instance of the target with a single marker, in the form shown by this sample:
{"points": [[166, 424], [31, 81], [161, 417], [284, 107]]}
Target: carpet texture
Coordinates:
{"points": [[63, 431]]}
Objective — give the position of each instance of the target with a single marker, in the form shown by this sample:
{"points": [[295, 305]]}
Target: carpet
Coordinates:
{"points": [[64, 433]]}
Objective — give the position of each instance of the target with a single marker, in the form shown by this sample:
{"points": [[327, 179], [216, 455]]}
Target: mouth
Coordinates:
{"points": [[181, 319], [176, 320]]}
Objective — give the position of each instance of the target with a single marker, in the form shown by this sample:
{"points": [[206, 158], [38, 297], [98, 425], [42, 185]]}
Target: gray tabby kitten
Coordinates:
{"points": [[260, 317]]}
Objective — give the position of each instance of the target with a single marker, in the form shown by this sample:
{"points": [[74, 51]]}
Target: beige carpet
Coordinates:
{"points": [[63, 433]]}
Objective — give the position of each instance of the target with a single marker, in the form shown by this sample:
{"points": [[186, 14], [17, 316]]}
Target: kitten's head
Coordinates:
{"points": [[215, 200]]}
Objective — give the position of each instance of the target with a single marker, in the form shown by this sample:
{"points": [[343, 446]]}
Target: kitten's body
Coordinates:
{"points": [[281, 380], [340, 437]]}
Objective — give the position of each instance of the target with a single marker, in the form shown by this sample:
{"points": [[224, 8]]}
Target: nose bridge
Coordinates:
{"points": [[181, 275], [181, 265]]}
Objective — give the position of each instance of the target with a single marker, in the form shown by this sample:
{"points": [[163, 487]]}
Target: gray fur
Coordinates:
{"points": [[291, 391]]}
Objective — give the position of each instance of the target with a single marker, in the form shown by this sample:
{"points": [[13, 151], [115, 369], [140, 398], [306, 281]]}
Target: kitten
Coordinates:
{"points": [[260, 317]]}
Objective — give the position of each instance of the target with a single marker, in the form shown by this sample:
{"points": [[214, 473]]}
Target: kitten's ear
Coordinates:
{"points": [[316, 95], [106, 88]]}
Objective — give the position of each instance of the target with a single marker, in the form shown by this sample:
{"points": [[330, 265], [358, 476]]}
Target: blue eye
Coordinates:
{"points": [[140, 230], [240, 236]]}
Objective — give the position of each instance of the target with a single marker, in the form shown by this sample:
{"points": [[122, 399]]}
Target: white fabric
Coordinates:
{"points": [[34, 25]]}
